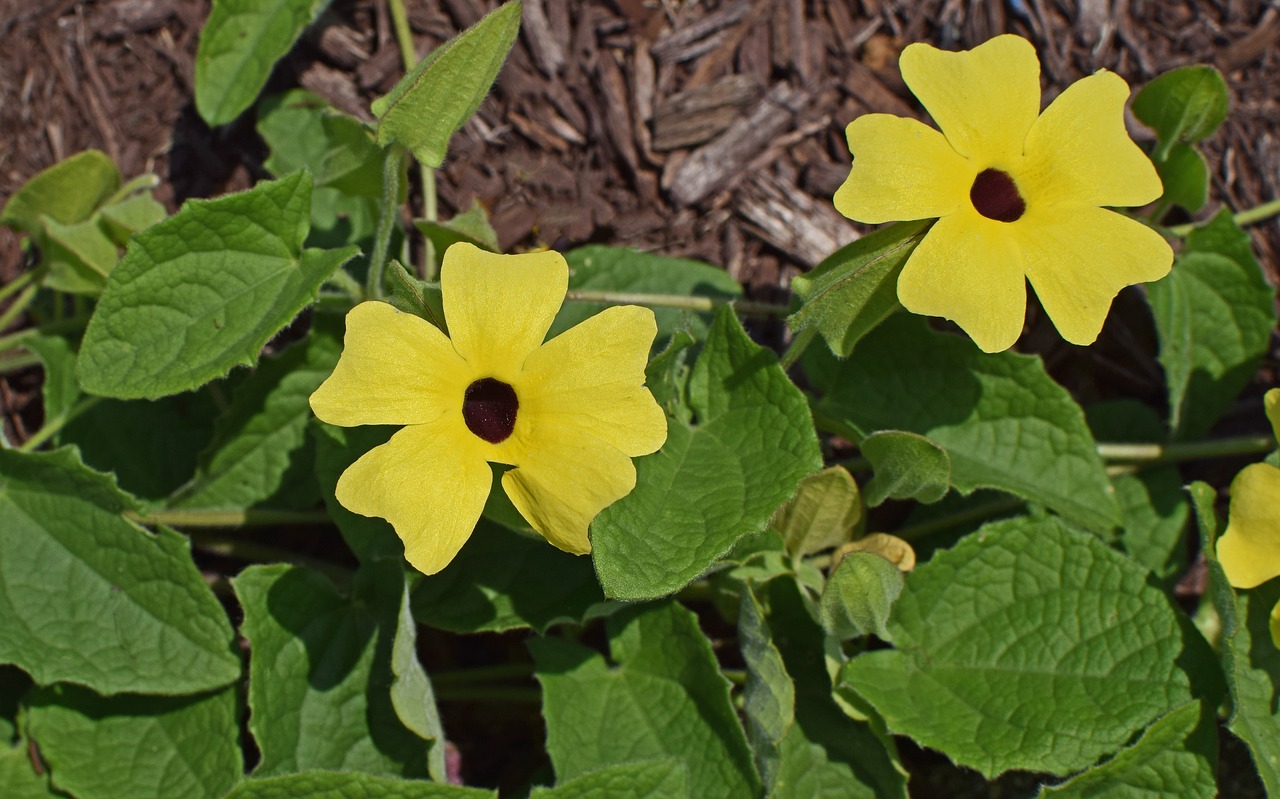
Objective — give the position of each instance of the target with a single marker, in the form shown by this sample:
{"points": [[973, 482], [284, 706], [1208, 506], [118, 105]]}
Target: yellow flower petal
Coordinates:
{"points": [[429, 482], [902, 169], [499, 307], [395, 369], [984, 100], [1249, 550], [967, 269], [1078, 262], [1271, 402], [591, 378], [1079, 153], [565, 481]]}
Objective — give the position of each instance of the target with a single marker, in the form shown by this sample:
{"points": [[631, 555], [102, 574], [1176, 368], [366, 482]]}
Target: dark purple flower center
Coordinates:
{"points": [[489, 409], [996, 196]]}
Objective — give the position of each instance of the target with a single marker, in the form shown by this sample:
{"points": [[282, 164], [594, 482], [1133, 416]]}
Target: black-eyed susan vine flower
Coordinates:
{"points": [[1249, 550], [568, 414], [1018, 195]]}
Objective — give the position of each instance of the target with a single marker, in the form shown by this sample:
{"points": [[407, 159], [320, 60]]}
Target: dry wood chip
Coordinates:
{"points": [[863, 83], [717, 164], [537, 133], [698, 115], [341, 46], [689, 41], [617, 114], [337, 87], [130, 16], [545, 45], [805, 228]]}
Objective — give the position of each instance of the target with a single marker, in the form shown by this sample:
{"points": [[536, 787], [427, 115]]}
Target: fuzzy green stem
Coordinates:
{"points": [[498, 673], [22, 281], [51, 328], [52, 426], [409, 56], [388, 211], [14, 363], [797, 347], [1186, 451], [229, 518], [1248, 216], [19, 305], [348, 284], [679, 301]]}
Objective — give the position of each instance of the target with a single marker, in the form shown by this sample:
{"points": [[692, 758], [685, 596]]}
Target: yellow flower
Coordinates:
{"points": [[1249, 550], [1016, 193], [568, 414]]}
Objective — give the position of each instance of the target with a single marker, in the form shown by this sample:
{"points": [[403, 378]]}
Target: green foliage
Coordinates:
{"points": [[1182, 106], [137, 747], [856, 287], [1185, 176], [203, 291], [822, 514], [1214, 315], [1024, 630], [67, 192], [906, 466], [617, 269], [319, 677], [1002, 421], [429, 104], [128, 610], [665, 698], [349, 785], [1176, 756], [752, 428], [19, 777], [645, 779], [857, 598], [768, 697], [242, 40], [260, 451], [471, 226]]}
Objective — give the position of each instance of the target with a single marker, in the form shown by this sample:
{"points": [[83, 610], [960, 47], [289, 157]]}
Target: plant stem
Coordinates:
{"points": [[680, 301], [52, 426], [973, 514], [504, 671], [22, 281], [51, 328], [1248, 216], [343, 280], [497, 694], [388, 211], [797, 347], [1186, 451], [228, 518], [19, 305], [15, 362], [263, 553], [409, 56]]}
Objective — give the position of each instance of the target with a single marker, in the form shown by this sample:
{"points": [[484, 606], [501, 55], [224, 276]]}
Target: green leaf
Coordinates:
{"points": [[751, 443], [80, 256], [67, 192], [504, 580], [1176, 756], [203, 291], [471, 226], [123, 747], [857, 597], [411, 295], [1214, 315], [428, 105], [131, 215], [822, 514], [91, 598], [1025, 630], [240, 43], [14, 683], [298, 132], [856, 288], [320, 672], [59, 390], [647, 779], [617, 269], [412, 696], [19, 777], [350, 785], [768, 697], [371, 539], [1003, 422], [1249, 656], [1183, 105], [825, 753], [665, 698], [906, 466], [152, 446], [1185, 177], [260, 447], [1152, 501]]}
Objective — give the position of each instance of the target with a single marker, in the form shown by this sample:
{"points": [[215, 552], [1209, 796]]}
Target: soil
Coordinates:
{"points": [[709, 129]]}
